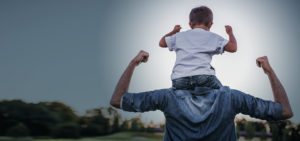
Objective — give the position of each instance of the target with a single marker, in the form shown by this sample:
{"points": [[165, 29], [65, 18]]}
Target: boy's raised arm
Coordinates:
{"points": [[162, 42], [231, 45]]}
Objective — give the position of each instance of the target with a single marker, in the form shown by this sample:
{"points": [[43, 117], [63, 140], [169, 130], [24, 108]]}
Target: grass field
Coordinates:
{"points": [[124, 136]]}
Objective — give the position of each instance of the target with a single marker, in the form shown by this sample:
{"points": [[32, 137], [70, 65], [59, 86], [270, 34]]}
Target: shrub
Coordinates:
{"points": [[250, 130], [19, 130], [92, 130], [67, 130]]}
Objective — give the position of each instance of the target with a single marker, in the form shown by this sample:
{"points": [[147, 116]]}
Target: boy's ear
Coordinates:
{"points": [[191, 25], [209, 26]]}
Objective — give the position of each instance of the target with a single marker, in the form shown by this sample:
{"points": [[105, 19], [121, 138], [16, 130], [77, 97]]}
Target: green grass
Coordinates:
{"points": [[124, 136]]}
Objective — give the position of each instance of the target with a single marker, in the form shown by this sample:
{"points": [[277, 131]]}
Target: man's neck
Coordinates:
{"points": [[201, 26]]}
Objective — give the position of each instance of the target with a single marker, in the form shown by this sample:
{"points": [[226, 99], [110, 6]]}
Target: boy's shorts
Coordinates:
{"points": [[190, 82]]}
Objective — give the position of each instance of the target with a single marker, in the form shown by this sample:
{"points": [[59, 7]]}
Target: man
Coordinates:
{"points": [[204, 113]]}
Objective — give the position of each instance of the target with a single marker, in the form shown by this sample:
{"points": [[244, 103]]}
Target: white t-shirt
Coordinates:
{"points": [[194, 50]]}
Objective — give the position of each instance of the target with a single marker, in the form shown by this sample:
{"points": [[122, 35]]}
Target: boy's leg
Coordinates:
{"points": [[216, 82], [183, 83], [210, 81]]}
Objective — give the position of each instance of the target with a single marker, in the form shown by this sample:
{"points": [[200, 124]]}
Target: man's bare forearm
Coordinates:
{"points": [[280, 95], [123, 85]]}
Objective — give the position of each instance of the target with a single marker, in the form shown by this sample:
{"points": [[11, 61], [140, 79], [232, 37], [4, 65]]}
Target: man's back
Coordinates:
{"points": [[201, 114]]}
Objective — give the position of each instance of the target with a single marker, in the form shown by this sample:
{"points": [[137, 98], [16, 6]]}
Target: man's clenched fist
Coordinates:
{"points": [[141, 57], [264, 63]]}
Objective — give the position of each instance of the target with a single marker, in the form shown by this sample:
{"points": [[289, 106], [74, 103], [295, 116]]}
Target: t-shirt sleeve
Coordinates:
{"points": [[145, 101], [171, 40], [220, 43], [255, 107]]}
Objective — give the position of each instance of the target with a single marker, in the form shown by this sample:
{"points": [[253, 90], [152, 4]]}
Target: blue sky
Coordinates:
{"points": [[75, 51]]}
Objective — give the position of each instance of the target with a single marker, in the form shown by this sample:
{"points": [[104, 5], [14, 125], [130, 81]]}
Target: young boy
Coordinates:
{"points": [[194, 50]]}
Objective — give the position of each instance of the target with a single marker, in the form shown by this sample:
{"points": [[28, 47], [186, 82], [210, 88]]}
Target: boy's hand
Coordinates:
{"points": [[177, 28], [228, 29]]}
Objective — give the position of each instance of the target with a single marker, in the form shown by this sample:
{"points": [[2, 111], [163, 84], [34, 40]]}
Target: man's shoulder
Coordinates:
{"points": [[224, 90], [227, 89], [230, 94]]}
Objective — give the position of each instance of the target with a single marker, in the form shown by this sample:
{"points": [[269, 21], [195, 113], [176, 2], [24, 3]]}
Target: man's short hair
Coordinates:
{"points": [[201, 15]]}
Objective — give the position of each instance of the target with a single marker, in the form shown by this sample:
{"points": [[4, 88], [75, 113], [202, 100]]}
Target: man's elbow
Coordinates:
{"points": [[287, 115], [290, 114], [114, 103]]}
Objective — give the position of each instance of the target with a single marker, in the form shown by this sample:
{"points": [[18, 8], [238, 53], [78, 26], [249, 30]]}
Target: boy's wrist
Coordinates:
{"points": [[174, 32], [230, 33], [171, 33]]}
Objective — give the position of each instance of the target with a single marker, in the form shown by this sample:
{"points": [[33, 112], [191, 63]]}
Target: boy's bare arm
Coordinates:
{"points": [[231, 45], [162, 42]]}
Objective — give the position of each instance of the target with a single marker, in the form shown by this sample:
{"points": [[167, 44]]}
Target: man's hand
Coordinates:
{"points": [[228, 29], [141, 57], [177, 28], [264, 63]]}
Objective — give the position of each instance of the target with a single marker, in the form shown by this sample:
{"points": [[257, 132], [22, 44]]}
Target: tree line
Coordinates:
{"points": [[276, 130], [57, 120]]}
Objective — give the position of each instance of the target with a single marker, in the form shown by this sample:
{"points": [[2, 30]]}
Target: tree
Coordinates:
{"points": [[275, 130], [64, 112], [116, 126], [36, 117], [92, 130], [19, 130], [250, 130], [125, 126], [136, 124], [67, 130], [97, 118], [116, 119]]}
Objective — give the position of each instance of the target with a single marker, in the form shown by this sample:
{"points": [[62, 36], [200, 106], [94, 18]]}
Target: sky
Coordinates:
{"points": [[75, 51]]}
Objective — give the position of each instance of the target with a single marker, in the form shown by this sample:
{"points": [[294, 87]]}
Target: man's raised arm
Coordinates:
{"points": [[123, 84], [277, 88]]}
